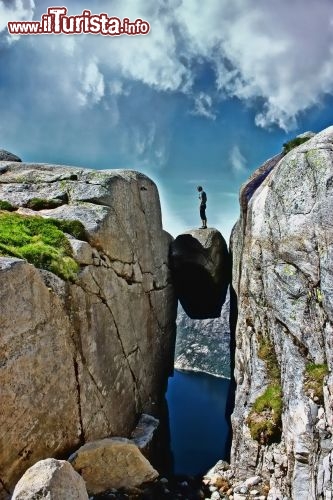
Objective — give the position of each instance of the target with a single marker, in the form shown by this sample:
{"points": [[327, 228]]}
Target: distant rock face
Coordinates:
{"points": [[82, 360], [112, 463], [204, 345], [282, 249], [51, 479], [201, 272], [7, 156]]}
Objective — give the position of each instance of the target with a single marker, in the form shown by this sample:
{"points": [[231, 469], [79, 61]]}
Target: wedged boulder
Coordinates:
{"points": [[7, 156], [51, 479], [112, 463], [201, 272]]}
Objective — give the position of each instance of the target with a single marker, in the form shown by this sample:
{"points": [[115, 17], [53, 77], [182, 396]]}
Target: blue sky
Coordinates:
{"points": [[215, 89]]}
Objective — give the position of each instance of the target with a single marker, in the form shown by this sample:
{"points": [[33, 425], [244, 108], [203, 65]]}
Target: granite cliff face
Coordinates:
{"points": [[282, 250], [82, 359]]}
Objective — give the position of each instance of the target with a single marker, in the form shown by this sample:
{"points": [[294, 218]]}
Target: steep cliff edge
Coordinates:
{"points": [[82, 359], [283, 281]]}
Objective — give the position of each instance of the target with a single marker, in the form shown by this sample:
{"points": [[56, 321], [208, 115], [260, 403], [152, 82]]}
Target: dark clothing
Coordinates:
{"points": [[203, 201], [203, 198]]}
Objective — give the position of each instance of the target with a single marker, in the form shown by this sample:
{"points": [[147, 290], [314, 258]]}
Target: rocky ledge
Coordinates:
{"points": [[82, 357]]}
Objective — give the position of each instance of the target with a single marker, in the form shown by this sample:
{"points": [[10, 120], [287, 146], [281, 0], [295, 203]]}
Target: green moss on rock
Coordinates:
{"points": [[40, 241], [43, 204], [264, 420], [319, 295], [5, 205], [297, 141], [266, 352], [314, 380]]}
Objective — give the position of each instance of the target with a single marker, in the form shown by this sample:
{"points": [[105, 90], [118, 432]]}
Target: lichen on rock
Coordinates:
{"points": [[282, 279], [83, 359]]}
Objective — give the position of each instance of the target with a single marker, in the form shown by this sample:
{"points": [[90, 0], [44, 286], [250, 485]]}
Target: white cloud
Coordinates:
{"points": [[238, 162], [15, 10], [92, 87], [203, 106], [276, 56], [117, 87], [278, 51]]}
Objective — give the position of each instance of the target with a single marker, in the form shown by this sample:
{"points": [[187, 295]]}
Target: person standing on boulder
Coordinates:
{"points": [[203, 201]]}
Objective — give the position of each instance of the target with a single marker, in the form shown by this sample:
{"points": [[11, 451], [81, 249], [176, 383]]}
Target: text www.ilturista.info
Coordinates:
{"points": [[56, 22]]}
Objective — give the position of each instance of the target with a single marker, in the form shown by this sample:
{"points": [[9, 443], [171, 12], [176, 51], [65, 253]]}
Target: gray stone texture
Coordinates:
{"points": [[282, 250], [83, 360], [7, 156], [51, 479], [112, 463]]}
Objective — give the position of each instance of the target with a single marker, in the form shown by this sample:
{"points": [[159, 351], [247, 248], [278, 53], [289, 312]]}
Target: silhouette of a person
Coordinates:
{"points": [[203, 202]]}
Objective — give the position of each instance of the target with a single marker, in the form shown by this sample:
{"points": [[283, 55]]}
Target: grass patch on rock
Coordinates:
{"points": [[264, 420], [314, 379], [297, 141], [42, 204], [5, 205], [266, 352], [40, 241]]}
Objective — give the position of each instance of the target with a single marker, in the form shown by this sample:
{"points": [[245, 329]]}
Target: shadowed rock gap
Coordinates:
{"points": [[201, 271]]}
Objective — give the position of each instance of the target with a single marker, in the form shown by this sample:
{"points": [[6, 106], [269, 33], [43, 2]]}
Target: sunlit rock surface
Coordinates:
{"points": [[83, 360], [282, 250]]}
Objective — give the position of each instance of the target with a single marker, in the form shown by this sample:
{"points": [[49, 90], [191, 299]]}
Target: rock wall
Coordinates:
{"points": [[82, 360], [282, 278]]}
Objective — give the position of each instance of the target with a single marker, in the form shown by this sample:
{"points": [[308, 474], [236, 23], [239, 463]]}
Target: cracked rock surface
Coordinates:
{"points": [[112, 463], [283, 277], [83, 360]]}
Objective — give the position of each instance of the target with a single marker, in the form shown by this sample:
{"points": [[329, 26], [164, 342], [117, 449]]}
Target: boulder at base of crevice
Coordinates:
{"points": [[112, 463], [52, 480], [201, 272]]}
